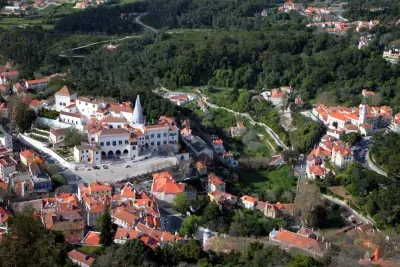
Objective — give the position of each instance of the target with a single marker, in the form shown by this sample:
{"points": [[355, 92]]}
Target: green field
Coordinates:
{"points": [[23, 22], [90, 250], [274, 179]]}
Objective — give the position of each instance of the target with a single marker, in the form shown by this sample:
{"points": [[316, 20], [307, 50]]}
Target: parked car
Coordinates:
{"points": [[105, 166], [96, 167], [127, 166]]}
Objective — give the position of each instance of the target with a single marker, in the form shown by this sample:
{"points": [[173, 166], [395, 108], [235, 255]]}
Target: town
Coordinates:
{"points": [[180, 133]]}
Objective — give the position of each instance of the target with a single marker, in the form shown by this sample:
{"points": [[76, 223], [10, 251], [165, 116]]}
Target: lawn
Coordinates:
{"points": [[341, 192], [277, 179], [91, 250]]}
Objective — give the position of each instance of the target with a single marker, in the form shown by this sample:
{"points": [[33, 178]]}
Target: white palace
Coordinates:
{"points": [[114, 129]]}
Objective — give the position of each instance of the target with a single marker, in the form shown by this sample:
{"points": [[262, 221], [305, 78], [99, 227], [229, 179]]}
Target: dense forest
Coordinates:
{"points": [[384, 10], [385, 152]]}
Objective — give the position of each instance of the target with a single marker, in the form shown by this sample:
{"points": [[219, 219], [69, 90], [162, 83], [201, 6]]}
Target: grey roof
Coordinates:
{"points": [[138, 112]]}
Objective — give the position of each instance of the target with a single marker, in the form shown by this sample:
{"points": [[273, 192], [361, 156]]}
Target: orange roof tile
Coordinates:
{"points": [[29, 153], [338, 116], [317, 170], [125, 216], [65, 91], [163, 182], [299, 241], [215, 180], [92, 238], [249, 199], [81, 257], [127, 234]]}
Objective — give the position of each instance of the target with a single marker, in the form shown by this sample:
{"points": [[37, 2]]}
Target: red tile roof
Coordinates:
{"points": [[81, 257], [92, 238], [29, 153], [163, 182], [215, 180], [127, 234], [249, 199], [278, 93], [299, 241]]}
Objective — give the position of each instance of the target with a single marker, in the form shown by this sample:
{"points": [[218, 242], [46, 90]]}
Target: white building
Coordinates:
{"points": [[64, 97], [124, 219], [7, 166], [248, 202], [88, 154]]}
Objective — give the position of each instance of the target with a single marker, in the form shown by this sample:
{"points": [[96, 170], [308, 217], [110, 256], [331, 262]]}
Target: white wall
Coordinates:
{"points": [[40, 146]]}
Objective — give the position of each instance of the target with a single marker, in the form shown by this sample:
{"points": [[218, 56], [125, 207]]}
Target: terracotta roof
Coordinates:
{"points": [[92, 238], [34, 103], [156, 126], [200, 165], [127, 234], [100, 187], [65, 91], [113, 119], [41, 80], [30, 153], [299, 241], [114, 131], [125, 216], [249, 199], [164, 182], [70, 114], [215, 180], [338, 116], [317, 170], [128, 191], [120, 107], [278, 93], [81, 257]]}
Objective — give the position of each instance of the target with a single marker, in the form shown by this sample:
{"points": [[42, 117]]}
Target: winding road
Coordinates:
{"points": [[138, 21]]}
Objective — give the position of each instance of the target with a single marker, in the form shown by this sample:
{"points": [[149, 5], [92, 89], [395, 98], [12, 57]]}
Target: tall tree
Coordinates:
{"points": [[181, 202], [29, 244], [73, 138], [105, 227], [24, 117]]}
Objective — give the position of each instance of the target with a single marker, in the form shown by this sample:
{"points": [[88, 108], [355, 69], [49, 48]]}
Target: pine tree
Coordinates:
{"points": [[105, 227]]}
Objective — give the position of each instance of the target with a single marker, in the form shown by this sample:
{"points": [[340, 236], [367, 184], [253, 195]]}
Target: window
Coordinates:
{"points": [[85, 104], [114, 143], [119, 126], [101, 143], [60, 103], [97, 152], [92, 139], [126, 142], [152, 143], [93, 105], [158, 143], [158, 135], [120, 142], [133, 148], [165, 134], [165, 142], [152, 136], [108, 143]]}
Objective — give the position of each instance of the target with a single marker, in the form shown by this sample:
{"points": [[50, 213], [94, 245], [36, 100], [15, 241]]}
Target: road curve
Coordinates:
{"points": [[138, 21]]}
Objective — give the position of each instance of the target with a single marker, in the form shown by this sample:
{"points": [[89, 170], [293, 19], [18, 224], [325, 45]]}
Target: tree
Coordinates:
{"points": [[29, 244], [24, 117], [335, 124], [303, 261], [105, 227], [307, 198], [211, 215], [190, 225], [181, 202], [192, 251], [73, 138], [133, 253]]}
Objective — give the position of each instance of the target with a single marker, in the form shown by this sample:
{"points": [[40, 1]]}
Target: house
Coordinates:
{"points": [[316, 171], [198, 148], [58, 134], [4, 110], [97, 189], [7, 166], [278, 97], [88, 154], [122, 235], [238, 130], [215, 183], [165, 188], [27, 156], [392, 54], [286, 240], [248, 202], [277, 160], [37, 83], [125, 219], [70, 223], [92, 238], [80, 258], [201, 168], [277, 210], [367, 94], [223, 199], [341, 155]]}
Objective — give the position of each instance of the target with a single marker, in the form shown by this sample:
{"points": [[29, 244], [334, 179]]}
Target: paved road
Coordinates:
{"points": [[117, 172], [274, 136], [344, 205], [138, 21], [361, 155]]}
